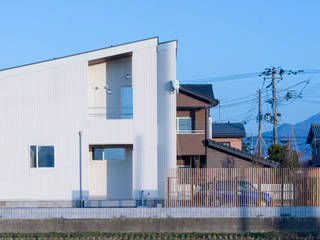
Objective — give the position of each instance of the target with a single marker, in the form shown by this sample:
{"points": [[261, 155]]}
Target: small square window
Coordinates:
{"points": [[45, 156], [41, 156], [97, 153], [184, 125]]}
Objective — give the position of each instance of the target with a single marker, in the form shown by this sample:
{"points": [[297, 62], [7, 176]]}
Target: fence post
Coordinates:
{"points": [[168, 192], [259, 185], [281, 172]]}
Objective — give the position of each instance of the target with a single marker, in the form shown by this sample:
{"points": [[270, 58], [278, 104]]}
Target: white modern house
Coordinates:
{"points": [[98, 125]]}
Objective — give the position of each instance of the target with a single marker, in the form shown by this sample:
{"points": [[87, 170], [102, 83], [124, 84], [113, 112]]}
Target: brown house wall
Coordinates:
{"points": [[234, 142], [193, 144], [190, 144], [218, 159], [184, 100]]}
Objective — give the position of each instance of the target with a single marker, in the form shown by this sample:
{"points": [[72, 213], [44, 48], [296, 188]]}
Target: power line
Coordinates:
{"points": [[224, 78], [250, 75]]}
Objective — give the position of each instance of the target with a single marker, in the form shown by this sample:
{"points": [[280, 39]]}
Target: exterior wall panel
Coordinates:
{"points": [[184, 100], [234, 142], [218, 159], [47, 107], [190, 144], [166, 105]]}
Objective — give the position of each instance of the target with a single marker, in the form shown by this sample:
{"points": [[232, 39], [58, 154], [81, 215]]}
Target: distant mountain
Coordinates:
{"points": [[298, 138]]}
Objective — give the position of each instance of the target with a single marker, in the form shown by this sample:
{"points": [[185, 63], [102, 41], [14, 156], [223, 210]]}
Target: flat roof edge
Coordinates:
{"points": [[162, 46]]}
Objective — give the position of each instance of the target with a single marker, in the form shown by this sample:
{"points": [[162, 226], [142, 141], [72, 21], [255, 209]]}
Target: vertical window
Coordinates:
{"points": [[126, 103], [184, 125], [41, 156], [33, 156]]}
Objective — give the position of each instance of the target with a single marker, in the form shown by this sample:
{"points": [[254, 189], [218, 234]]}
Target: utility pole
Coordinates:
{"points": [[251, 144], [259, 130], [274, 104]]}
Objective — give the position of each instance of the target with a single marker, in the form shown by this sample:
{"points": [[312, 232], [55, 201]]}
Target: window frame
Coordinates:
{"points": [[178, 124], [126, 115], [226, 143], [37, 145], [103, 154], [92, 154]]}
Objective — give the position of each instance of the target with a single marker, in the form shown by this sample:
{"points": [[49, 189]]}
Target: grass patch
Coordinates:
{"points": [[137, 236]]}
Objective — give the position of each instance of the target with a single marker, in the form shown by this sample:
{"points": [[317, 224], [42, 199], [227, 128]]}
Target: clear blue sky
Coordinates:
{"points": [[216, 38]]}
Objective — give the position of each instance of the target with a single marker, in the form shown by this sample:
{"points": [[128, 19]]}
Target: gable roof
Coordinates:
{"points": [[240, 154], [229, 130], [313, 132], [202, 91]]}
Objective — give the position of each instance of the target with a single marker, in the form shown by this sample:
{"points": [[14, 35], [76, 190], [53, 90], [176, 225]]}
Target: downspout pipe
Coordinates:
{"points": [[80, 169]]}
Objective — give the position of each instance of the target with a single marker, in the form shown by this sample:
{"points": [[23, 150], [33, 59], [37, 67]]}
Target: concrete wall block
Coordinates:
{"points": [[105, 213]]}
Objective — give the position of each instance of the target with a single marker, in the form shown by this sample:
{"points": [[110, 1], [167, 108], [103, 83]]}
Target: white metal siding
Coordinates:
{"points": [[46, 107], [166, 112], [47, 103]]}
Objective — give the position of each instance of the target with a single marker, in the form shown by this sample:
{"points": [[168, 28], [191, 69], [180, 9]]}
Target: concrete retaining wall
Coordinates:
{"points": [[231, 225]]}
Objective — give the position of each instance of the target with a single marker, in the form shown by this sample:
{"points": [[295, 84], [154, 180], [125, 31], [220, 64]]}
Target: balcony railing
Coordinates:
{"points": [[110, 112], [190, 131]]}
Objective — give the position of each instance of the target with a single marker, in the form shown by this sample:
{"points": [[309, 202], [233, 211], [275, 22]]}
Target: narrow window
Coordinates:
{"points": [[33, 156], [41, 156], [126, 103]]}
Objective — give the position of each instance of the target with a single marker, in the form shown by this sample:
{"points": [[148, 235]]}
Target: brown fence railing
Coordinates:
{"points": [[233, 187]]}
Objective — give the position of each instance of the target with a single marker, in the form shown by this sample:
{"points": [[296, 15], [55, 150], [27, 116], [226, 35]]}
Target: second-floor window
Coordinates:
{"points": [[126, 103], [184, 124]]}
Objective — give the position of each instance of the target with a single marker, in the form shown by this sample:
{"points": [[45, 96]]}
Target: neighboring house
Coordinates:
{"points": [[98, 125], [222, 156], [193, 120], [314, 141], [229, 134], [195, 147]]}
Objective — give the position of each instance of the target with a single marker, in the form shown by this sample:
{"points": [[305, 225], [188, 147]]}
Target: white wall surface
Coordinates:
{"points": [[47, 103], [166, 111], [96, 90], [45, 107], [144, 83]]}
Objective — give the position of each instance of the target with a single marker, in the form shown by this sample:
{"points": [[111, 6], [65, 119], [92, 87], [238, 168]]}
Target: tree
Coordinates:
{"points": [[285, 155], [245, 147], [290, 157], [275, 153]]}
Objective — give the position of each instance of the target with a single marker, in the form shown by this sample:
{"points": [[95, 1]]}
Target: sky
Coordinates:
{"points": [[215, 38]]}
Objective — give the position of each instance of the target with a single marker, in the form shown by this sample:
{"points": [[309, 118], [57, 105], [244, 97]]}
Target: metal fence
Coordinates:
{"points": [[236, 187]]}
